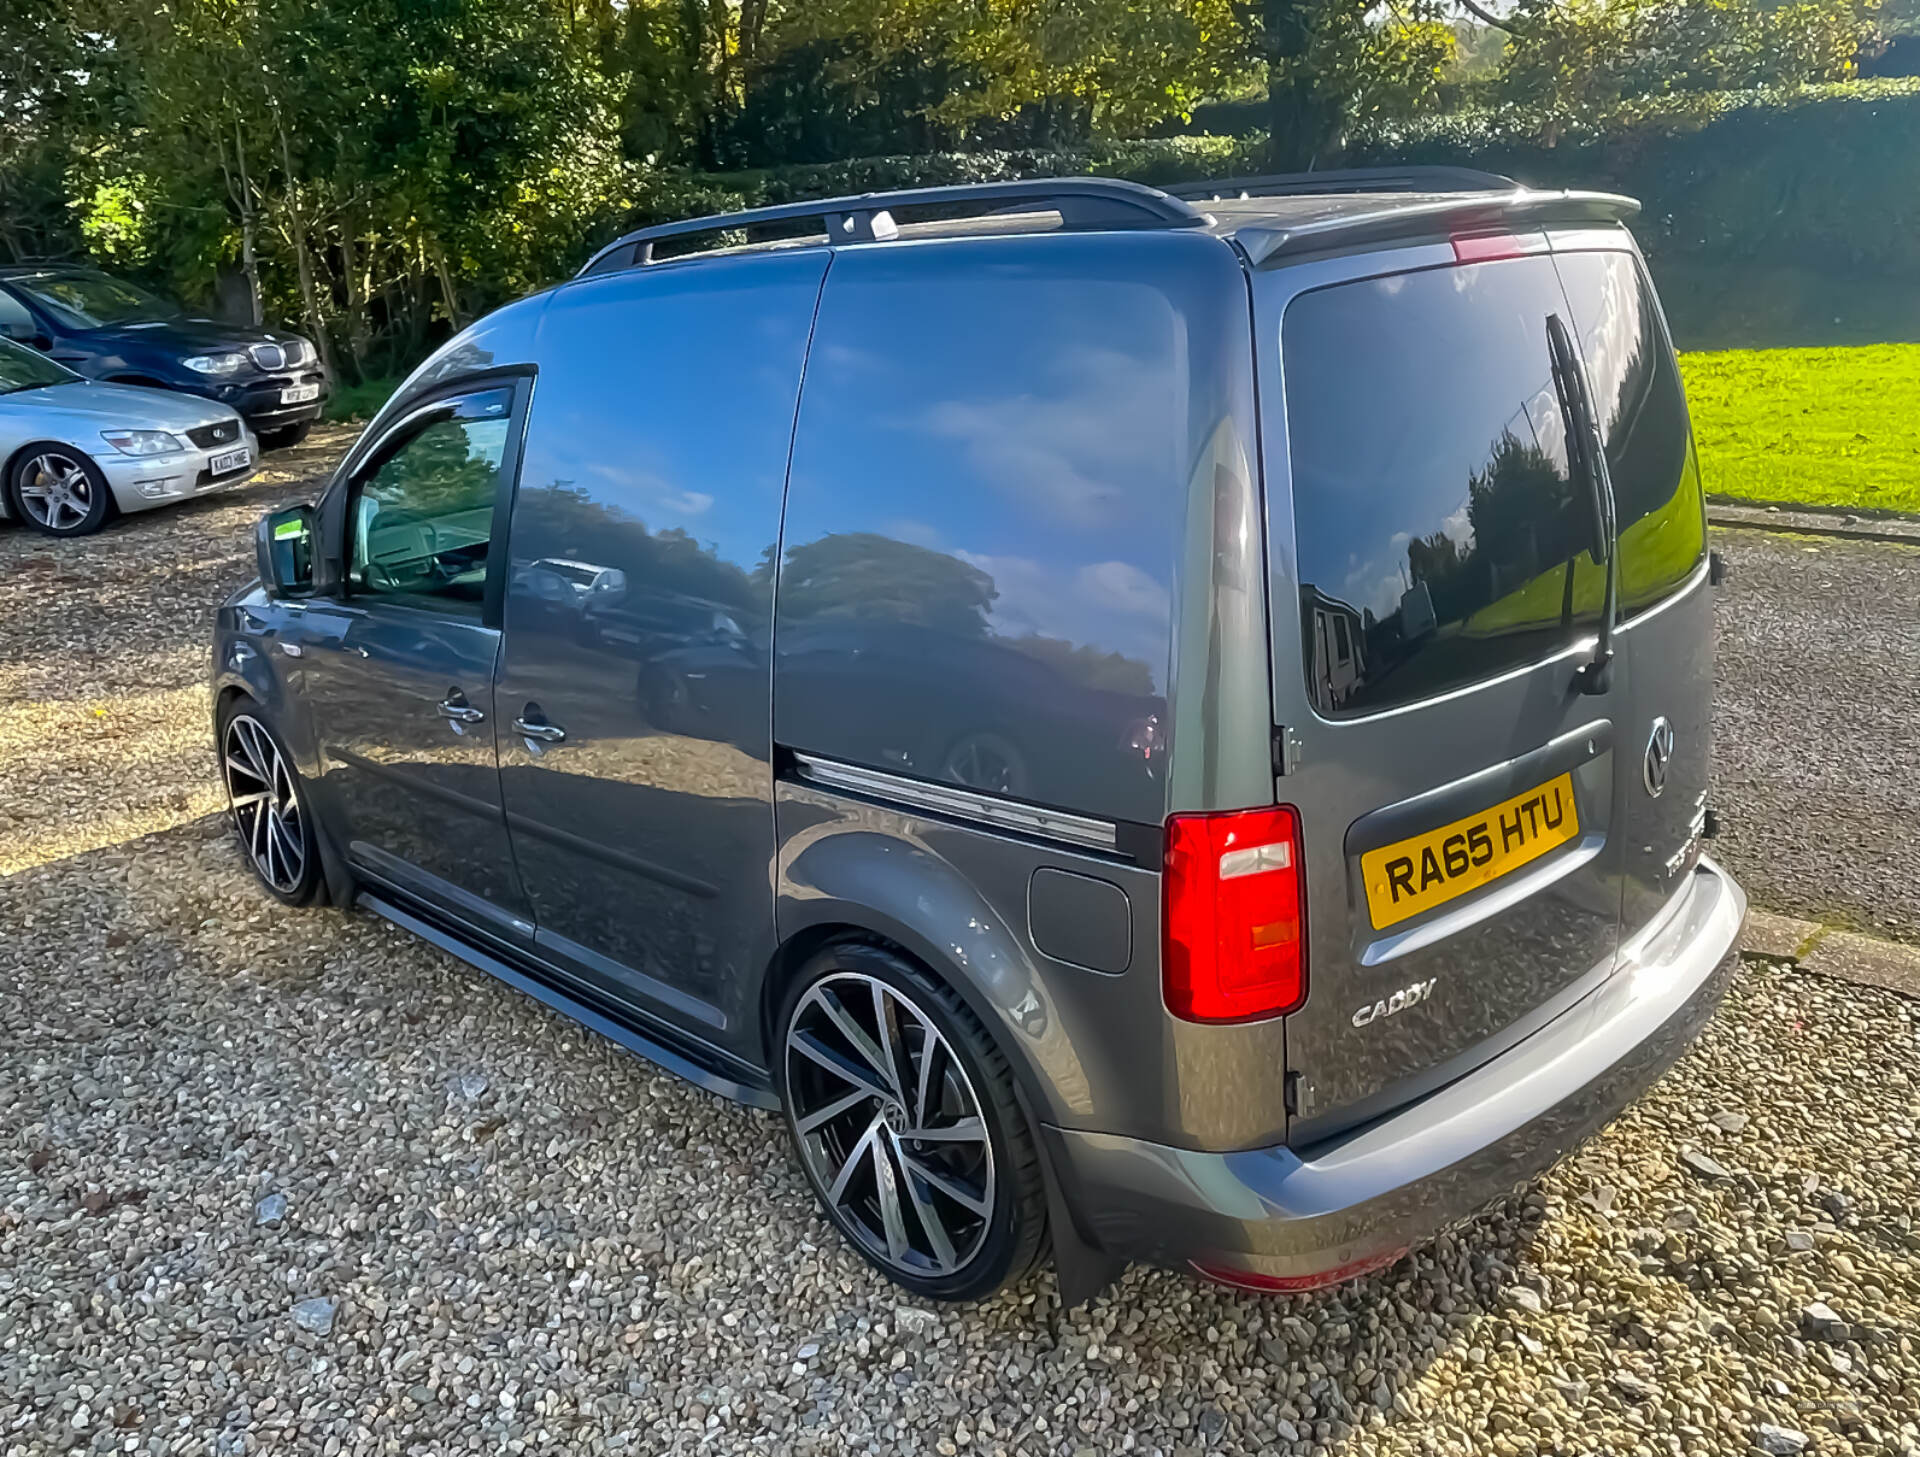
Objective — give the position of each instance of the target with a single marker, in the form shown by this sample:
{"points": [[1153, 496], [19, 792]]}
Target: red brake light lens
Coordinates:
{"points": [[1233, 916], [1486, 248]]}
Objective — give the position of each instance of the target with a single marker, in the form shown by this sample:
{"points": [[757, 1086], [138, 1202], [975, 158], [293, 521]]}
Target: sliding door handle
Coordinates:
{"points": [[545, 733], [460, 711]]}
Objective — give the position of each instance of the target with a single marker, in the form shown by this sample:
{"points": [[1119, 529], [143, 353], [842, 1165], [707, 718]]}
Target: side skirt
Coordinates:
{"points": [[638, 1043]]}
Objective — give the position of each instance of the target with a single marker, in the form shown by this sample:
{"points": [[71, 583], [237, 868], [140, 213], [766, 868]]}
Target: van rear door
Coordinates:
{"points": [[1434, 597], [1665, 635]]}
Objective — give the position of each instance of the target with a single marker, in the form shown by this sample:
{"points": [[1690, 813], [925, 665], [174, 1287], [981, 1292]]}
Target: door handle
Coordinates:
{"points": [[460, 711], [546, 733]]}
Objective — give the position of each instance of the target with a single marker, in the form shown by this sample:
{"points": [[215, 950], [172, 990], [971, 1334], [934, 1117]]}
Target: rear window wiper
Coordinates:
{"points": [[1587, 459]]}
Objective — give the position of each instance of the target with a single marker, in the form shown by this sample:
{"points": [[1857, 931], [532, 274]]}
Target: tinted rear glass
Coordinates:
{"points": [[1441, 540], [1637, 395], [1433, 509]]}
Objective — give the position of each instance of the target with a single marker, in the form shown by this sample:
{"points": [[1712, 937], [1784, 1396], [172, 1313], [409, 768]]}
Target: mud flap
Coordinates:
{"points": [[1083, 1270]]}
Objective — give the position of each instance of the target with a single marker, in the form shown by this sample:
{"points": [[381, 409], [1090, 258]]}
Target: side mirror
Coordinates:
{"points": [[283, 544]]}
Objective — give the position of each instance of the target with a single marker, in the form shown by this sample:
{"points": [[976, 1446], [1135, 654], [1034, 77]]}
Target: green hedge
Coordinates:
{"points": [[1826, 178]]}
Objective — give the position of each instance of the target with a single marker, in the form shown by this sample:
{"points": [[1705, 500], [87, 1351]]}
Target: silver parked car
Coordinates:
{"points": [[72, 452]]}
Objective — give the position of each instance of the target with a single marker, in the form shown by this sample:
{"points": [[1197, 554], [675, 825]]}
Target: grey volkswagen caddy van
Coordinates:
{"points": [[1149, 728]]}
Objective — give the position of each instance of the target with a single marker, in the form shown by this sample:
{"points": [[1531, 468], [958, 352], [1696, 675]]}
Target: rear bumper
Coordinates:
{"points": [[1312, 1216]]}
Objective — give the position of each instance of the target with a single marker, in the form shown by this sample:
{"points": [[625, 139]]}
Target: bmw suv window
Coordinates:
{"points": [[1643, 414], [86, 300], [28, 369], [422, 520], [1441, 538]]}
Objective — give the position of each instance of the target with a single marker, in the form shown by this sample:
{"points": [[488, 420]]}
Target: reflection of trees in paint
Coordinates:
{"points": [[859, 574], [841, 577]]}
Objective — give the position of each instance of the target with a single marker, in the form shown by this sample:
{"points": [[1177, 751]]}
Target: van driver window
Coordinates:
{"points": [[423, 520]]}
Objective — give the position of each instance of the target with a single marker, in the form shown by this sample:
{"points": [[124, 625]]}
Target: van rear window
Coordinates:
{"points": [[1637, 395], [1441, 540]]}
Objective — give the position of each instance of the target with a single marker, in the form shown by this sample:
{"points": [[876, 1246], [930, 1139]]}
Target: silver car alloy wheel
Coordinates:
{"points": [[266, 810], [890, 1125], [56, 491]]}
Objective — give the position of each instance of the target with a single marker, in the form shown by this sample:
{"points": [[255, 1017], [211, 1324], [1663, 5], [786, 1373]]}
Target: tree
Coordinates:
{"points": [[1072, 69], [1570, 56], [1332, 63]]}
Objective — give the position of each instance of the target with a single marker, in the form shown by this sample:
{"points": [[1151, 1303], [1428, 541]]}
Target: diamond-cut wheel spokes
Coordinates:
{"points": [[55, 491], [266, 811], [890, 1125]]}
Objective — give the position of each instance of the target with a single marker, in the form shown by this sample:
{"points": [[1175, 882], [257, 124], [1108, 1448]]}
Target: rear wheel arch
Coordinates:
{"points": [[844, 950], [855, 924]]}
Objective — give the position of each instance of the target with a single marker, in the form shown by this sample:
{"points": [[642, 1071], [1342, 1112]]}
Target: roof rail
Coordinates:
{"points": [[1352, 179], [1082, 202]]}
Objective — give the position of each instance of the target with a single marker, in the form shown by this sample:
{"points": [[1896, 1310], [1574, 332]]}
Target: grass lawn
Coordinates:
{"points": [[1824, 427]]}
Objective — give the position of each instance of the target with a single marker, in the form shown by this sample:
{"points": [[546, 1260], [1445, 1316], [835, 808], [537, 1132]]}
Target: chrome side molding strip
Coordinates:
{"points": [[1002, 814]]}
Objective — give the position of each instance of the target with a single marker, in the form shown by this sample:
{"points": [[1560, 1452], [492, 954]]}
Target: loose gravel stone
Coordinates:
{"points": [[590, 1255], [1706, 1166], [1779, 1441], [315, 1315]]}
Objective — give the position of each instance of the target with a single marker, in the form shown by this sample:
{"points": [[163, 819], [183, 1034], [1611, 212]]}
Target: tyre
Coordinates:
{"points": [[58, 491], [904, 1115], [269, 807], [286, 437]]}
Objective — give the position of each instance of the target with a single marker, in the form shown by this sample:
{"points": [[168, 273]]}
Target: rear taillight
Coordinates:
{"points": [[1233, 916]]}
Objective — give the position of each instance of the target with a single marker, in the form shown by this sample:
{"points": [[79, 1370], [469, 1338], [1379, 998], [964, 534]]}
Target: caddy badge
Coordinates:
{"points": [[1406, 997]]}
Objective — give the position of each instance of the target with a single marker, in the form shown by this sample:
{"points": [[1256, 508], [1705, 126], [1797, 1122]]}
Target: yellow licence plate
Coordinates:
{"points": [[1416, 874]]}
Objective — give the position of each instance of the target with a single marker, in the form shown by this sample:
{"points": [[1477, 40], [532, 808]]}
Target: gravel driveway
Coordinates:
{"points": [[1817, 740], [277, 1181]]}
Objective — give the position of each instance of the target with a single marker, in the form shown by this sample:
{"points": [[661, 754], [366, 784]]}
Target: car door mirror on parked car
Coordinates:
{"points": [[24, 332], [283, 543]]}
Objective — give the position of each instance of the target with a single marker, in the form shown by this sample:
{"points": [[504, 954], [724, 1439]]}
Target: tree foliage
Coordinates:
{"points": [[381, 171]]}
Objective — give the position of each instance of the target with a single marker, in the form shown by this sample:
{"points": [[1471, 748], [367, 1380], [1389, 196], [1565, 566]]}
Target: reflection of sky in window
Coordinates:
{"points": [[1609, 322], [668, 395], [1041, 440], [1398, 390], [486, 441]]}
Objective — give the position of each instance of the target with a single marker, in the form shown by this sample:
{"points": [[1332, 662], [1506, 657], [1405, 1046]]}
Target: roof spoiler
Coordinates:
{"points": [[1350, 179], [1468, 212]]}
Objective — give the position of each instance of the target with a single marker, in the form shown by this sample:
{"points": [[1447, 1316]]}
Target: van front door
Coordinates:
{"points": [[633, 687], [1456, 785], [400, 661]]}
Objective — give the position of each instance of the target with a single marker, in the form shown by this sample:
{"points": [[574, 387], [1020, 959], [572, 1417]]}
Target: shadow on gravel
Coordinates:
{"points": [[456, 1160]]}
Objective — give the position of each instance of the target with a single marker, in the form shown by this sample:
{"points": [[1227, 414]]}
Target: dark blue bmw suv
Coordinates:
{"points": [[109, 329]]}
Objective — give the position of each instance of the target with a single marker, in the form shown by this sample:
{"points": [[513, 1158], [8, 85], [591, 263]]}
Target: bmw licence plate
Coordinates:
{"points": [[299, 394], [228, 460], [1423, 871]]}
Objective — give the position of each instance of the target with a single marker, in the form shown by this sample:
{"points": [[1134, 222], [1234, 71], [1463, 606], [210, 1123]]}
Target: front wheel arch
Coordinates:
{"points": [[9, 489]]}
